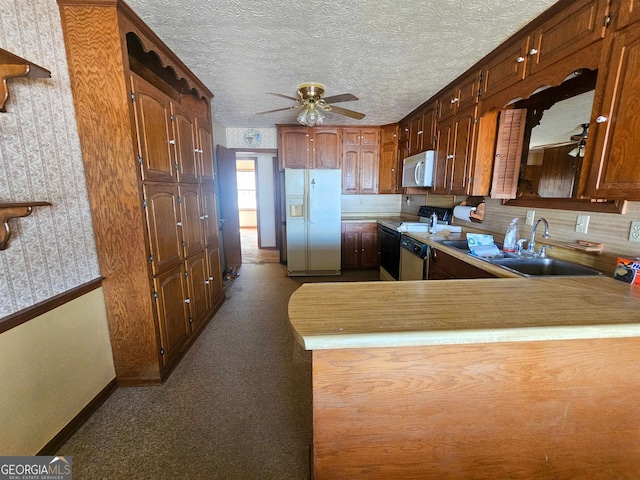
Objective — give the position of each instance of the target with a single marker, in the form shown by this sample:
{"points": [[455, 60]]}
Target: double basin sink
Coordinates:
{"points": [[529, 266]]}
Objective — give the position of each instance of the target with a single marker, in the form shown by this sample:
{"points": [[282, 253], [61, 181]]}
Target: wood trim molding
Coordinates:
{"points": [[29, 313], [76, 422]]}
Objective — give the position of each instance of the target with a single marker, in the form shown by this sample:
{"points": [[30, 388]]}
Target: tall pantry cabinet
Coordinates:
{"points": [[144, 122]]}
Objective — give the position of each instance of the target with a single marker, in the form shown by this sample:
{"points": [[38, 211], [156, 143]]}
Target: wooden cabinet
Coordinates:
{"points": [[615, 169], [309, 147], [443, 266], [360, 158], [564, 35], [463, 95], [455, 143], [148, 155], [389, 172], [629, 13], [359, 246]]}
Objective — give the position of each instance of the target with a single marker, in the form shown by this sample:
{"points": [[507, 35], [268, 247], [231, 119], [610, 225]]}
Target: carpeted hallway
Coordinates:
{"points": [[238, 406]]}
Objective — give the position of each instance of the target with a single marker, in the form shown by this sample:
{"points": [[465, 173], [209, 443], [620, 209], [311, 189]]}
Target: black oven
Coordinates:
{"points": [[389, 250]]}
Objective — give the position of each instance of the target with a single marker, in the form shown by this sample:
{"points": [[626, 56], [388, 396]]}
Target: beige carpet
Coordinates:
{"points": [[237, 407]]}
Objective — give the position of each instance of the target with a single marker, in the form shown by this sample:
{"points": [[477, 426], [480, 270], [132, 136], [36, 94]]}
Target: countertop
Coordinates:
{"points": [[337, 315], [434, 312]]}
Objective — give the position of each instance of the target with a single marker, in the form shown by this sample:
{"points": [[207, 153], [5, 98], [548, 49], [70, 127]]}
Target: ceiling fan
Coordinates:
{"points": [[582, 139], [314, 106]]}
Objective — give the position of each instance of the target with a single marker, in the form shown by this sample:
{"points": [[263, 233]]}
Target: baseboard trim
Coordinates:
{"points": [[65, 434]]}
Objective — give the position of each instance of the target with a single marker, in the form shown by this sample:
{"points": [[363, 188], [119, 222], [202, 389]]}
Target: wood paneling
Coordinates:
{"points": [[564, 409], [94, 55]]}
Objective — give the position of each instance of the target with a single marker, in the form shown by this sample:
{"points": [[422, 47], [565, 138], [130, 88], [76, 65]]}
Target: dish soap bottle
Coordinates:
{"points": [[433, 222], [511, 237]]}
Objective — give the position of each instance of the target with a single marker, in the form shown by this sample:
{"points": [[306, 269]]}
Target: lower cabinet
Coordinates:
{"points": [[443, 266], [360, 246]]}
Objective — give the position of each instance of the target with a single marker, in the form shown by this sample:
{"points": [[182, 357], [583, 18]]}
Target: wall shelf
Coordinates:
{"points": [[12, 66], [14, 210]]}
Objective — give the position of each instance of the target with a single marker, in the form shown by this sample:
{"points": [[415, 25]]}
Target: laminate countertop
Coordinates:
{"points": [[336, 315]]}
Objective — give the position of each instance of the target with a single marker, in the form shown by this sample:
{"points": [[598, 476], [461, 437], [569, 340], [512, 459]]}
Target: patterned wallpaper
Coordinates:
{"points": [[52, 250], [252, 138]]}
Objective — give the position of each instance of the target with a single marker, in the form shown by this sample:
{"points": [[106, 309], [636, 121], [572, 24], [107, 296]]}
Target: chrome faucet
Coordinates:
{"points": [[531, 247]]}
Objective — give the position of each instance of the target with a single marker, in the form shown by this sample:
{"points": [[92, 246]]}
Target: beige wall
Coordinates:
{"points": [[50, 368]]}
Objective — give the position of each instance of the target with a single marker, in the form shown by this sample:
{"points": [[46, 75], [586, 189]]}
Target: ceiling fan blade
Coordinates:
{"points": [[279, 110], [283, 96], [345, 97], [347, 113]]}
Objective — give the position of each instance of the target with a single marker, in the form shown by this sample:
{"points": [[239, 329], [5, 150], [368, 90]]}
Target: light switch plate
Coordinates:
{"points": [[634, 234], [531, 216], [582, 223]]}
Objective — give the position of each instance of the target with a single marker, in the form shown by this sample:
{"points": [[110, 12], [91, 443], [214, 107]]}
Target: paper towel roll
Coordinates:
{"points": [[463, 212]]}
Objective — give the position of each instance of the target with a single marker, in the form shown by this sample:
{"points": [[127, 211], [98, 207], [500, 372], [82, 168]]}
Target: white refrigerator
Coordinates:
{"points": [[313, 205]]}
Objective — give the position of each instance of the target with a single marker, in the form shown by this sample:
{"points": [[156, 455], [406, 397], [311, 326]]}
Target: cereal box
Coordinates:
{"points": [[627, 271]]}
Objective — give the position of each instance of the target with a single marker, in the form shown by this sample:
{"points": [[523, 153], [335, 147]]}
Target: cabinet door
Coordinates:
{"points": [[389, 134], [192, 219], [205, 151], [326, 147], [211, 232], [444, 156], [429, 127], [370, 137], [629, 12], [214, 279], [415, 134], [172, 313], [185, 145], [465, 123], [506, 68], [368, 176], [448, 103], [197, 289], [351, 137], [294, 147], [388, 181], [615, 170], [163, 226], [350, 165], [467, 92], [443, 266], [350, 250], [568, 32], [369, 257], [154, 133]]}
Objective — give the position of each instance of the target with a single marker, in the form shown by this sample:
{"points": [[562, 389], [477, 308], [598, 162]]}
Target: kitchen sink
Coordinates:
{"points": [[533, 267], [457, 244]]}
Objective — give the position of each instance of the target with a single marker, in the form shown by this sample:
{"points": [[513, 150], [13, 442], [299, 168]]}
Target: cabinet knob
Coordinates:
{"points": [[202, 217], [419, 132], [533, 51], [449, 157], [172, 142], [455, 100], [520, 59], [179, 224], [210, 279], [206, 282], [187, 300], [601, 119]]}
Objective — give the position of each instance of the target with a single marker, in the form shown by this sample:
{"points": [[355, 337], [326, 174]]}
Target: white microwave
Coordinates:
{"points": [[417, 170]]}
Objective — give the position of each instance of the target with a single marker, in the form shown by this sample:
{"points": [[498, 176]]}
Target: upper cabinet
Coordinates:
{"points": [[629, 12], [389, 172], [458, 98], [615, 170], [360, 156], [564, 37], [309, 147]]}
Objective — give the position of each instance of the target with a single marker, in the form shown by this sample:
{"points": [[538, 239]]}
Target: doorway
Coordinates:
{"points": [[256, 208]]}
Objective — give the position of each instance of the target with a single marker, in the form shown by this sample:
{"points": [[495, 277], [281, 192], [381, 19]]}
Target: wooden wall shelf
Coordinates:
{"points": [[14, 210], [12, 66]]}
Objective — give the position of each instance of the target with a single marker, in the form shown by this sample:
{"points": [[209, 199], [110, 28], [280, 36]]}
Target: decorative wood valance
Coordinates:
{"points": [[12, 66]]}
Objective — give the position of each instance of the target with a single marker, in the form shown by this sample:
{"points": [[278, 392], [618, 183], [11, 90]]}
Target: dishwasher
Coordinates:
{"points": [[413, 259]]}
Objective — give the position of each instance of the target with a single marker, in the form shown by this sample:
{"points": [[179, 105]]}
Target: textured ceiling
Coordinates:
{"points": [[391, 54]]}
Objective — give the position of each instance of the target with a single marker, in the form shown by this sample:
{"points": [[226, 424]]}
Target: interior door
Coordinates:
{"points": [[229, 216]]}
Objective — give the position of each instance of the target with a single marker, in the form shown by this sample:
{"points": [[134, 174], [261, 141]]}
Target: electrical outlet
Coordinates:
{"points": [[530, 218], [582, 224], [634, 234]]}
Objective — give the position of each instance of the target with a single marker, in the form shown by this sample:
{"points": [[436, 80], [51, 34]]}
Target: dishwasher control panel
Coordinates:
{"points": [[417, 247]]}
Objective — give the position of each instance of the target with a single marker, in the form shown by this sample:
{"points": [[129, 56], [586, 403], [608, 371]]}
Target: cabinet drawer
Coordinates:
{"points": [[358, 227], [443, 266]]}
